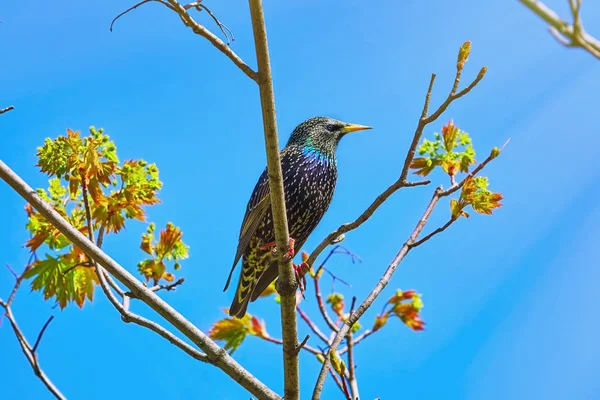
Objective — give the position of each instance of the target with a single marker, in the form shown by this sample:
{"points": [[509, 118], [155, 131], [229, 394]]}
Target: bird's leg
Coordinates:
{"points": [[300, 270]]}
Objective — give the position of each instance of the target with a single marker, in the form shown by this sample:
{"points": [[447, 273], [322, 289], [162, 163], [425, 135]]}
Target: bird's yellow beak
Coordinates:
{"points": [[354, 127]]}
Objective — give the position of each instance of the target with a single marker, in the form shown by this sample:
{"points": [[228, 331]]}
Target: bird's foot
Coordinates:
{"points": [[290, 253], [300, 271]]}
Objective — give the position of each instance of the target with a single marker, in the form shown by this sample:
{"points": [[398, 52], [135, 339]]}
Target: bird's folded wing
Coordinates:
{"points": [[259, 204]]}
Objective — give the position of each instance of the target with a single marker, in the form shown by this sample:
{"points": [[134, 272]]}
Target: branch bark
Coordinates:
{"points": [[569, 35], [214, 353]]}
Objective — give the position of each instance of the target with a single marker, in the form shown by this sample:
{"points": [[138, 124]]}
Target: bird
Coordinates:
{"points": [[309, 167]]}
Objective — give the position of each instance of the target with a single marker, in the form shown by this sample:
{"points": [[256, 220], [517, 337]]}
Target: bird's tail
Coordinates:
{"points": [[238, 308], [243, 293]]}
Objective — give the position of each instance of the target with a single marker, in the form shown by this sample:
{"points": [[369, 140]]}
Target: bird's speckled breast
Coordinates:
{"points": [[309, 180]]}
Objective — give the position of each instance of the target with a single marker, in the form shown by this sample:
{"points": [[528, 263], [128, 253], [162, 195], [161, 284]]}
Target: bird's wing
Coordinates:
{"points": [[259, 204]]}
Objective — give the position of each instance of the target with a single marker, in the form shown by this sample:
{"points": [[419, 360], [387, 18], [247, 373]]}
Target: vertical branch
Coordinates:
{"points": [[286, 284], [351, 368]]}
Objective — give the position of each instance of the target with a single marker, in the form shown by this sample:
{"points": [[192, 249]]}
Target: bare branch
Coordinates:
{"points": [[39, 338], [186, 18], [424, 120], [169, 287], [306, 347], [357, 340], [141, 3], [214, 353], [29, 351], [7, 109], [568, 35], [383, 281], [435, 232], [337, 380], [312, 325], [332, 325], [30, 354], [351, 367], [215, 41]]}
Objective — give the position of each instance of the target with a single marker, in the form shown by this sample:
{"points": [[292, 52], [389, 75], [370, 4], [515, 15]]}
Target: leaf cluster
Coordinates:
{"points": [[95, 193]]}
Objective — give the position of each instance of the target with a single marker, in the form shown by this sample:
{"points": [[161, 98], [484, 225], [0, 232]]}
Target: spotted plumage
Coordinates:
{"points": [[309, 167]]}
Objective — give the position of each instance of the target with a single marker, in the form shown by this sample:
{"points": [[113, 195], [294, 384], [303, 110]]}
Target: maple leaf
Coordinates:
{"points": [[56, 278], [233, 331], [424, 166], [475, 193], [170, 247], [380, 321], [406, 305], [443, 152]]}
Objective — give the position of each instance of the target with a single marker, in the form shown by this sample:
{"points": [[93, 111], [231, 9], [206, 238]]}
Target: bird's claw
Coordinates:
{"points": [[289, 254], [300, 271]]}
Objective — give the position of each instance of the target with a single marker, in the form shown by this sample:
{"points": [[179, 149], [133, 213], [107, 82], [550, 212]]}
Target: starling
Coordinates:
{"points": [[309, 167]]}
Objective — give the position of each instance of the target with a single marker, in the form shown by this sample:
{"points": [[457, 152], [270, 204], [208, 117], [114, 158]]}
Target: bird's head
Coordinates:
{"points": [[322, 134]]}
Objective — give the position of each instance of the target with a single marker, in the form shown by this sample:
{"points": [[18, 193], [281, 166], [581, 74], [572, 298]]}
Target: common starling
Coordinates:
{"points": [[309, 167]]}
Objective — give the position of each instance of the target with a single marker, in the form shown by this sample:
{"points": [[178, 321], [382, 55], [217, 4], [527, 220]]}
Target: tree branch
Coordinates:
{"points": [[7, 109], [214, 353], [351, 367], [435, 232], [306, 347], [568, 35], [424, 120], [383, 281], [332, 325], [29, 351], [402, 182], [358, 339], [286, 281], [312, 325], [186, 18]]}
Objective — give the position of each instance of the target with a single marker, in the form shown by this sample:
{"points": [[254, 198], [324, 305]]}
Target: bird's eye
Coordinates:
{"points": [[330, 128]]}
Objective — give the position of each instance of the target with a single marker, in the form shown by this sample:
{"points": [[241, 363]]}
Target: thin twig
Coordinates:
{"points": [[435, 232], [169, 287], [312, 325], [39, 337], [351, 367], [29, 351], [337, 380], [141, 3], [215, 354], [332, 325], [302, 344], [188, 21], [383, 281], [357, 340], [306, 347], [424, 120], [123, 308]]}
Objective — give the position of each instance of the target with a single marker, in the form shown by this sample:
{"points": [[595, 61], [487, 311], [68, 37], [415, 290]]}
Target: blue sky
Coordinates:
{"points": [[510, 300]]}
